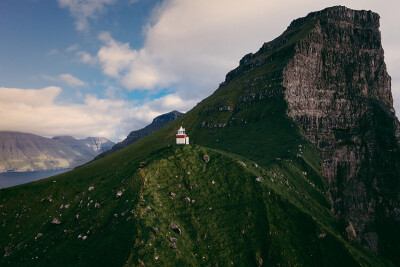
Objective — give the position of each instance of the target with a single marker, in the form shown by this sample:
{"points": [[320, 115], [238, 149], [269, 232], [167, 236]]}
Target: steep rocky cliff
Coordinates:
{"points": [[338, 89], [329, 68]]}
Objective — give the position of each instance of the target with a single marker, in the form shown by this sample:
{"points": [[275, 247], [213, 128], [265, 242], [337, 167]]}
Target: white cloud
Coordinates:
{"points": [[52, 52], [37, 111], [82, 10], [114, 57], [191, 45], [66, 78], [72, 47], [85, 57], [71, 80]]}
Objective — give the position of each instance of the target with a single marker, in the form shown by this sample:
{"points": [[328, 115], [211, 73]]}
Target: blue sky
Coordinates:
{"points": [[107, 67]]}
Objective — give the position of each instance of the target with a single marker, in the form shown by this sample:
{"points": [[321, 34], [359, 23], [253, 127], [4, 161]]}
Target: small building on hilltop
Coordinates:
{"points": [[181, 137]]}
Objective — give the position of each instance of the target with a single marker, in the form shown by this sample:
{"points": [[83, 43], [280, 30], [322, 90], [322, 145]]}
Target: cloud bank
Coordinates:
{"points": [[38, 111]]}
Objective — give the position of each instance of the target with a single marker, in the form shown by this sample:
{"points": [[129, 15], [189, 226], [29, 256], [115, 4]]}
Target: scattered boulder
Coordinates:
{"points": [[175, 228], [156, 257], [155, 230], [173, 240], [321, 235], [258, 179], [67, 206], [259, 261], [49, 199], [38, 236], [97, 205], [172, 194], [90, 188], [84, 237], [351, 233], [213, 182], [119, 194], [206, 158], [187, 199], [286, 181], [56, 221], [242, 163]]}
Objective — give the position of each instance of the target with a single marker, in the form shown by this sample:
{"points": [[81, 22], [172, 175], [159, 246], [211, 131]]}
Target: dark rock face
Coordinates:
{"points": [[134, 136], [338, 90], [157, 123]]}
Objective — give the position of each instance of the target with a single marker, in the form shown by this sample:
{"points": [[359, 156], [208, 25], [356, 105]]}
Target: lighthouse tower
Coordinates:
{"points": [[181, 137]]}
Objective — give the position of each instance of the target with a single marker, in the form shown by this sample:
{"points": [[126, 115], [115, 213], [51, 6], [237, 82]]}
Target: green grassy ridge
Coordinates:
{"points": [[280, 226]]}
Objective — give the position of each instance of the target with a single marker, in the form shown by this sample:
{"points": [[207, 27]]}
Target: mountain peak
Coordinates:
{"points": [[167, 117], [357, 18]]}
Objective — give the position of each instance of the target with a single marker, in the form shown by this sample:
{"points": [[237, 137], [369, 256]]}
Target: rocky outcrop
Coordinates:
{"points": [[338, 90]]}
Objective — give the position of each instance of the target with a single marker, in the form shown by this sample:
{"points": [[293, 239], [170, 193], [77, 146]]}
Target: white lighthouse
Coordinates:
{"points": [[181, 137]]}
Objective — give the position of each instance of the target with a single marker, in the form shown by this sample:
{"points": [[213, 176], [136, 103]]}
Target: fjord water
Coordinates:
{"points": [[8, 179]]}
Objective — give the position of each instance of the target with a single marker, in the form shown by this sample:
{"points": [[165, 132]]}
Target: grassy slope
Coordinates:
{"points": [[237, 219], [281, 222], [281, 217]]}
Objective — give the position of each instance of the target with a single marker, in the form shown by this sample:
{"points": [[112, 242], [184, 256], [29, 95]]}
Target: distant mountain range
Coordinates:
{"points": [[157, 123], [29, 152]]}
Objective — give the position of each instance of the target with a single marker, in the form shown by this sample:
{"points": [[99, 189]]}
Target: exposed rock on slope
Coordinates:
{"points": [[29, 152], [338, 89]]}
